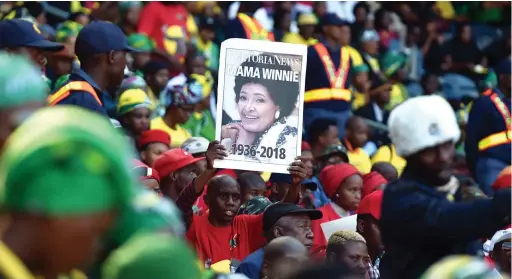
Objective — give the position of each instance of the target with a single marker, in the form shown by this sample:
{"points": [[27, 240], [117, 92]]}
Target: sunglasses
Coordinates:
{"points": [[506, 246]]}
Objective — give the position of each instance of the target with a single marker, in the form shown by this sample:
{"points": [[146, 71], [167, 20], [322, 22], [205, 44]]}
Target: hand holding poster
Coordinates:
{"points": [[260, 98]]}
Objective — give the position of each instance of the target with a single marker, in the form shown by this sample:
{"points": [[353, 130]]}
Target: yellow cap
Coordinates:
{"points": [[307, 19], [132, 99]]}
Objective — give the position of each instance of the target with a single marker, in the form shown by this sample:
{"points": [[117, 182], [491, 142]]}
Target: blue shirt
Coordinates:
{"points": [[251, 265], [83, 98]]}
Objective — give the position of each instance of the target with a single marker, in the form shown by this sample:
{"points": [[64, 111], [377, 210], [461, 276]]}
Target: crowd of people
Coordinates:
{"points": [[107, 143]]}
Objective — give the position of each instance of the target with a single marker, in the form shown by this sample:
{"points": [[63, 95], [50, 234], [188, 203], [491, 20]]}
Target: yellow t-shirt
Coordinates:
{"points": [[178, 135], [388, 154], [360, 159], [355, 56]]}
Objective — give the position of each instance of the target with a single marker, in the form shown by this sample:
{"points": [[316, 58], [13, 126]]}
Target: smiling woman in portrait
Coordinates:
{"points": [[264, 106]]}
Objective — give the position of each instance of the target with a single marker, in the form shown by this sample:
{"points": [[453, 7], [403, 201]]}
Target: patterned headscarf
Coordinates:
{"points": [[254, 206], [67, 30], [189, 94]]}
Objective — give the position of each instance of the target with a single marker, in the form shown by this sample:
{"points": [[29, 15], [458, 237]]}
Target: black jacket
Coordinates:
{"points": [[420, 226]]}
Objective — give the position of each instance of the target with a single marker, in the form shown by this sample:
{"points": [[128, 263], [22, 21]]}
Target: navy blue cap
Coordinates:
{"points": [[23, 33], [207, 22], [332, 19], [504, 67], [101, 37], [286, 178]]}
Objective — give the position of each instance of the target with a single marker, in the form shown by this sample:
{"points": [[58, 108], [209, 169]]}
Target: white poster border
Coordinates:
{"points": [[258, 46]]}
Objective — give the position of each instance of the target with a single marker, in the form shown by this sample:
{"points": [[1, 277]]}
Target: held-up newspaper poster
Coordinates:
{"points": [[260, 104]]}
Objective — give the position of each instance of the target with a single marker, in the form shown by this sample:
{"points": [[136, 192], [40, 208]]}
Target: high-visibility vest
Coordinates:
{"points": [[67, 89], [253, 29], [503, 137], [337, 78]]}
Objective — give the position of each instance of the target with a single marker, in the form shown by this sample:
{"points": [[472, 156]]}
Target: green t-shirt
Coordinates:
{"points": [[201, 125]]}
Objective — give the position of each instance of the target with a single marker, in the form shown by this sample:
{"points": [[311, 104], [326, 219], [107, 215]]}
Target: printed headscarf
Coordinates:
{"points": [[189, 94], [132, 99], [141, 42], [67, 30]]}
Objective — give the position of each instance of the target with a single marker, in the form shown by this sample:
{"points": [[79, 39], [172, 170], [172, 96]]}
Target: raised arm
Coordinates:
{"points": [[299, 173], [189, 195]]}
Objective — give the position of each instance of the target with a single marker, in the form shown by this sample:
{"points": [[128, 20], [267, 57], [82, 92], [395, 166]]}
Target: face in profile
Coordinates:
{"points": [[256, 108]]}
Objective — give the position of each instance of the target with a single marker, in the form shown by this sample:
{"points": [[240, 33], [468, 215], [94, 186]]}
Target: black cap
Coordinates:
{"points": [[206, 22], [280, 209]]}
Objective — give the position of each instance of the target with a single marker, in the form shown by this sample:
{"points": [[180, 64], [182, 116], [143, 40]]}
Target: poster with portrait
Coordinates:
{"points": [[260, 104]]}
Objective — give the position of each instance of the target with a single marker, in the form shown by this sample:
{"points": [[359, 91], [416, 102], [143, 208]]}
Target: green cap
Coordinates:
{"points": [[66, 161], [391, 62], [141, 42], [148, 212], [18, 89], [68, 29], [152, 255], [254, 206], [335, 149]]}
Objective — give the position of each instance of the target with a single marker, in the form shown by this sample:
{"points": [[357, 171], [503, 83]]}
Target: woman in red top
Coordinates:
{"points": [[342, 184]]}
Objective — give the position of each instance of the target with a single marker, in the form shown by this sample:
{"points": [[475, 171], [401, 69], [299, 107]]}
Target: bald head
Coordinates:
{"points": [[282, 256], [217, 182], [354, 122], [283, 246], [387, 170]]}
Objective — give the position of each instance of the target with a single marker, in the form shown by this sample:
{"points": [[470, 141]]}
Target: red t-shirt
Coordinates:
{"points": [[156, 17], [319, 241], [214, 244]]}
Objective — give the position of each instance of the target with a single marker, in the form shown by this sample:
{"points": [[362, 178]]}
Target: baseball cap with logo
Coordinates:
{"points": [[499, 236], [195, 145], [101, 37], [173, 160], [280, 209], [22, 33]]}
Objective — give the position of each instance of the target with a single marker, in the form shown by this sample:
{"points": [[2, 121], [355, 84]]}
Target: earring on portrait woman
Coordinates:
{"points": [[277, 114]]}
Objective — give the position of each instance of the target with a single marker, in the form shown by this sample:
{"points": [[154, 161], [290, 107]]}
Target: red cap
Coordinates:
{"points": [[371, 181], [144, 171], [173, 160], [152, 136], [305, 146], [371, 204], [332, 176], [504, 179]]}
